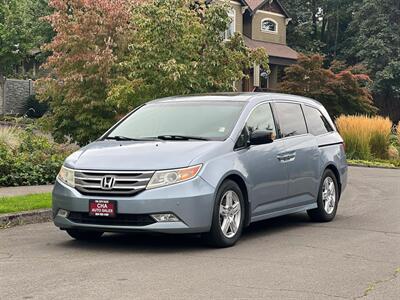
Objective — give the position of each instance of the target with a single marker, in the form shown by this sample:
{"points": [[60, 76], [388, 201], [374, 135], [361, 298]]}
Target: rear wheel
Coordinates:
{"points": [[84, 235], [228, 216], [328, 199]]}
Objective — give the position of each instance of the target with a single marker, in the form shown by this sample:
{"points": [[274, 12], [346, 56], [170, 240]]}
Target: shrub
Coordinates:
{"points": [[28, 157], [365, 137], [393, 153], [398, 133]]}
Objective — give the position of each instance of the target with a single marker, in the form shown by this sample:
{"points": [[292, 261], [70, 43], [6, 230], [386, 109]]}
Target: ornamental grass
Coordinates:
{"points": [[365, 137]]}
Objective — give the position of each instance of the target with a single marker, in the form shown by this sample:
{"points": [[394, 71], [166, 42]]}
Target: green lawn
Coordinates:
{"points": [[24, 203]]}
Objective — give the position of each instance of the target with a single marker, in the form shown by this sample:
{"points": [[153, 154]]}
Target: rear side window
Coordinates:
{"points": [[317, 123], [291, 119]]}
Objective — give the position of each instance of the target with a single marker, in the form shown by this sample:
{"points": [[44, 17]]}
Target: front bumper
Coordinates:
{"points": [[192, 202]]}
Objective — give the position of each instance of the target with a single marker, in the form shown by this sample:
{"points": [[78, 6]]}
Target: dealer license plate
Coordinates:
{"points": [[102, 208]]}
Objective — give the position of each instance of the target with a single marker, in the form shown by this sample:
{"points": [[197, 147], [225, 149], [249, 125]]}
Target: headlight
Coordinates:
{"points": [[67, 176], [168, 177]]}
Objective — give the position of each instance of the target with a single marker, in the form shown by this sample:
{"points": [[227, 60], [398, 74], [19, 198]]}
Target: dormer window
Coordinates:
{"points": [[231, 27], [269, 25]]}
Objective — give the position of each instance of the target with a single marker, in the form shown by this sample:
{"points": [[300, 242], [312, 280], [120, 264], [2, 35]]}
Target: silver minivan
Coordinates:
{"points": [[209, 164]]}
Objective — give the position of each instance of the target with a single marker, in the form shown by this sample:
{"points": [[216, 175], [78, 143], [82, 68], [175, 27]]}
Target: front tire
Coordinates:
{"points": [[328, 199], [84, 235], [228, 216]]}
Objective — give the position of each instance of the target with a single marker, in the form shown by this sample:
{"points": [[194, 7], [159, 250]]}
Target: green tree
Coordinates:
{"points": [[110, 56], [178, 48], [339, 88], [21, 30], [375, 42], [320, 25]]}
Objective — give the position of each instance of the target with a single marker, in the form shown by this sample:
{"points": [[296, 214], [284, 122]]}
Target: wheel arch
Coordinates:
{"points": [[335, 171], [239, 180]]}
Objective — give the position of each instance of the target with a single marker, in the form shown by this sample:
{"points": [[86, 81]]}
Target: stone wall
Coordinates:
{"points": [[14, 94]]}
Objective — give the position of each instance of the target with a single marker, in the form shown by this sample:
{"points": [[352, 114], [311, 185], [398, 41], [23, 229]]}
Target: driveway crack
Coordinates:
{"points": [[289, 290], [372, 286]]}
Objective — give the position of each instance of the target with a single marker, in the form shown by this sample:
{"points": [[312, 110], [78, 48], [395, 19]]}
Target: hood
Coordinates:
{"points": [[139, 156]]}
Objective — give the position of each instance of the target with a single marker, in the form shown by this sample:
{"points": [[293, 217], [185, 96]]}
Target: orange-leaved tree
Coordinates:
{"points": [[341, 89], [90, 36]]}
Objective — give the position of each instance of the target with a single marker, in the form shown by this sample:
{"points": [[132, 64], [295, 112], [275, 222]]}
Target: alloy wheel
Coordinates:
{"points": [[230, 213], [328, 195]]}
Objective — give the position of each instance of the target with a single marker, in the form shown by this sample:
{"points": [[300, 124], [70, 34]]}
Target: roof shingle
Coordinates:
{"points": [[276, 50]]}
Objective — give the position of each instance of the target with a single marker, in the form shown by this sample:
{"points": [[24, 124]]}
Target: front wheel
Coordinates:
{"points": [[228, 216], [328, 199], [84, 235]]}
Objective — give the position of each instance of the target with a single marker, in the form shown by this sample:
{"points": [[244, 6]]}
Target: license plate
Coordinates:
{"points": [[102, 208]]}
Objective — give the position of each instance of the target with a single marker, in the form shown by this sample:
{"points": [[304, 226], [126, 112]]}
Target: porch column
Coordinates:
{"points": [[256, 75]]}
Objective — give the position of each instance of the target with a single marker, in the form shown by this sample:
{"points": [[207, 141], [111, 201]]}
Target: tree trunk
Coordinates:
{"points": [[337, 29], [314, 10], [325, 22]]}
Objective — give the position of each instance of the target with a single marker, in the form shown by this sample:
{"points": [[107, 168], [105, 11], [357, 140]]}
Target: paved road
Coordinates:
{"points": [[24, 190], [356, 256]]}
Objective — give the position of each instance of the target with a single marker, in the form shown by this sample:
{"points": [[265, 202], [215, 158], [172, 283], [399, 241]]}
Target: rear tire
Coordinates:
{"points": [[328, 199], [228, 216], [84, 235]]}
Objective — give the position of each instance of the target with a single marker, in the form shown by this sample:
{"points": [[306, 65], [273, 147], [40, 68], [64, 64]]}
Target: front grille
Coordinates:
{"points": [[126, 182], [119, 220]]}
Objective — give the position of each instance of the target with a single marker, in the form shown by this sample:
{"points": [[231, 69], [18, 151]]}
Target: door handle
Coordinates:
{"points": [[286, 157]]}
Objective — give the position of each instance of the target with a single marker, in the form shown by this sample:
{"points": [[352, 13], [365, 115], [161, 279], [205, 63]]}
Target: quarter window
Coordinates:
{"points": [[268, 25], [291, 119], [316, 122]]}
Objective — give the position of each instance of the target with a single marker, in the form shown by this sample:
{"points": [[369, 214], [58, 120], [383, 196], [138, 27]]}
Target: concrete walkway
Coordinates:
{"points": [[24, 190]]}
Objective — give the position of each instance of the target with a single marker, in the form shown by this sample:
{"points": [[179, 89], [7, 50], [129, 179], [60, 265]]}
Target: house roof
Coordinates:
{"points": [[254, 5], [273, 49]]}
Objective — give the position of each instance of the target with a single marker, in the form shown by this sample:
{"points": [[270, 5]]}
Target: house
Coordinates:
{"points": [[263, 25]]}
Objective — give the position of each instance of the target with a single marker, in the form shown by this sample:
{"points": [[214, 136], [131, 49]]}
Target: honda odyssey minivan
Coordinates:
{"points": [[209, 164]]}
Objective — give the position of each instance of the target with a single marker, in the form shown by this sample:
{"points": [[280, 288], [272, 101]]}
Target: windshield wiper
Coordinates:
{"points": [[175, 137], [124, 138]]}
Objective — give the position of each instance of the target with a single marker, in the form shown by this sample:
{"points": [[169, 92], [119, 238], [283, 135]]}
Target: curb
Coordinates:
{"points": [[25, 217], [372, 167]]}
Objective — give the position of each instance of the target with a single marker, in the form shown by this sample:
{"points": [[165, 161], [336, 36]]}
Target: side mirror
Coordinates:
{"points": [[260, 137]]}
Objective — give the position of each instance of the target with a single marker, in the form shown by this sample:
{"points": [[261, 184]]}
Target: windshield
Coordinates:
{"points": [[206, 120]]}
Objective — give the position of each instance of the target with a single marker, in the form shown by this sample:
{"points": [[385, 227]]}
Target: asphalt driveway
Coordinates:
{"points": [[356, 256]]}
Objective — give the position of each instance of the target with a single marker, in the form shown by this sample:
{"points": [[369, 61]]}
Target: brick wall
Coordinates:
{"points": [[14, 94]]}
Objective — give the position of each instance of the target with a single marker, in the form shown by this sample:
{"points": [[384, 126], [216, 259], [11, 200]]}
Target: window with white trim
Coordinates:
{"points": [[269, 25], [230, 31]]}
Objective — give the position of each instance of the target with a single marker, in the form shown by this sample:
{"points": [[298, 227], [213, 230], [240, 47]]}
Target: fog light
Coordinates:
{"points": [[63, 213], [165, 218]]}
